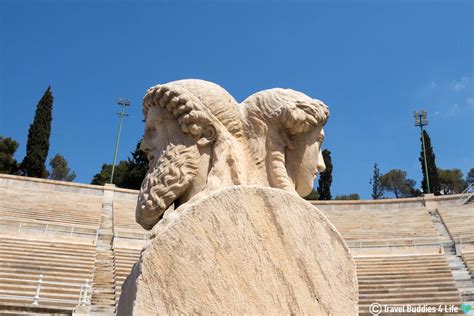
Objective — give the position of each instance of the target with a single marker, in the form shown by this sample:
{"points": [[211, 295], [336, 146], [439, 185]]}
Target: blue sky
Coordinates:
{"points": [[372, 62]]}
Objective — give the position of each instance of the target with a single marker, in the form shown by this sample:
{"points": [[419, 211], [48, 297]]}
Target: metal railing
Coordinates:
{"points": [[84, 295], [466, 194], [396, 242], [125, 234], [464, 239], [48, 229]]}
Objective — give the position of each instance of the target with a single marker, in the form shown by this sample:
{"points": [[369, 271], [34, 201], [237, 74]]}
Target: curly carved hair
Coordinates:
{"points": [[197, 105], [290, 110]]}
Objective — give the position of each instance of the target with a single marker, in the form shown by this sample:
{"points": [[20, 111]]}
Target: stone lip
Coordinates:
{"points": [[243, 250]]}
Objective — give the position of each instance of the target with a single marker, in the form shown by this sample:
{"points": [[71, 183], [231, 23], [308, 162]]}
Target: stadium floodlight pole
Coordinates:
{"points": [[122, 115], [421, 120]]}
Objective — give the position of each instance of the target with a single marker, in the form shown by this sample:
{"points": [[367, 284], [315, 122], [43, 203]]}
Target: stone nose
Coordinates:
{"points": [[145, 145], [321, 164]]}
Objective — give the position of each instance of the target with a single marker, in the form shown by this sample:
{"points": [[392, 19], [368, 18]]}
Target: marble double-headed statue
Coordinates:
{"points": [[199, 139]]}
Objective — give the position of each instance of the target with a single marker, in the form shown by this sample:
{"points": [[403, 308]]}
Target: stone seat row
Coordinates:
{"points": [[54, 207], [383, 224], [401, 280], [63, 267], [459, 220], [124, 216], [416, 279], [57, 215]]}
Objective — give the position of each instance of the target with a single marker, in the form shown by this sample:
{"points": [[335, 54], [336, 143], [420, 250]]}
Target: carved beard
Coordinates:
{"points": [[166, 180]]}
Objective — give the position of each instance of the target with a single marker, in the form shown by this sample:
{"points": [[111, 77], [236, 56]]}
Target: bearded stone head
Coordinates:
{"points": [[287, 129], [194, 142]]}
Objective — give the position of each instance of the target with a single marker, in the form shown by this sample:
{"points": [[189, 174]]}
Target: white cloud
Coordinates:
{"points": [[461, 84], [470, 101], [431, 85], [447, 98], [453, 109]]}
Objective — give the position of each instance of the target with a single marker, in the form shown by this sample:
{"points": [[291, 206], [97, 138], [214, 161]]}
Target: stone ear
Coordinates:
{"points": [[207, 136]]}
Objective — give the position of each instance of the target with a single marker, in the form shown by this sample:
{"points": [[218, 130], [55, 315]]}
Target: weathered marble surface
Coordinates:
{"points": [[222, 198], [199, 139], [243, 250]]}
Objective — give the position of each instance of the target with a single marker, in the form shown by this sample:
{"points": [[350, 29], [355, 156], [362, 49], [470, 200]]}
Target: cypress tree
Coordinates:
{"points": [[377, 192], [325, 178], [435, 186], [33, 165]]}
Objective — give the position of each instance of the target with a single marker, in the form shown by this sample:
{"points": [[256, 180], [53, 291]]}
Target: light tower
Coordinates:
{"points": [[421, 119], [122, 114]]}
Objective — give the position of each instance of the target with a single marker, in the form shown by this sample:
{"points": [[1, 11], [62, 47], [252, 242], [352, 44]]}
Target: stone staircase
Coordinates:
{"points": [[470, 200], [103, 287], [125, 258], [461, 274], [442, 231]]}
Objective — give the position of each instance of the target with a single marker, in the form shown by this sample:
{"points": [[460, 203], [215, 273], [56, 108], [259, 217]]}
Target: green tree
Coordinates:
{"points": [[414, 192], [451, 181], [395, 181], [137, 166], [37, 147], [325, 178], [312, 196], [8, 148], [60, 169], [377, 192], [470, 176], [353, 196], [103, 176], [128, 174], [435, 186]]}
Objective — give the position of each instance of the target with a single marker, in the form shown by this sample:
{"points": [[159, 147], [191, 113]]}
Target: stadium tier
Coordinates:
{"points": [[459, 220], [50, 207], [71, 233], [62, 267], [383, 224], [402, 280], [124, 219]]}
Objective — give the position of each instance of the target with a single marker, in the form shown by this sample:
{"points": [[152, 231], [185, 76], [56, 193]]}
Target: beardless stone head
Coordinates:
{"points": [[292, 136]]}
